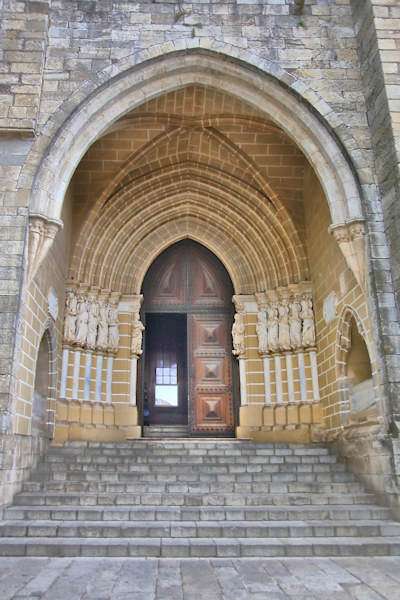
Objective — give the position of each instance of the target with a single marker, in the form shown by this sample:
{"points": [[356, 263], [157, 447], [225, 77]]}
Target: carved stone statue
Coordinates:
{"points": [[71, 311], [295, 325], [283, 326], [307, 315], [272, 325], [113, 333], [81, 322], [137, 335], [262, 332], [238, 335], [93, 321], [102, 331]]}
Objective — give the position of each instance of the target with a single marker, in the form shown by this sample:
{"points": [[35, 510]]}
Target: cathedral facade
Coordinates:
{"points": [[199, 214]]}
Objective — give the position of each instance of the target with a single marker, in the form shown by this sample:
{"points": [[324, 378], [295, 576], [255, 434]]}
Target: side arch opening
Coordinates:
{"points": [[42, 416], [355, 372]]}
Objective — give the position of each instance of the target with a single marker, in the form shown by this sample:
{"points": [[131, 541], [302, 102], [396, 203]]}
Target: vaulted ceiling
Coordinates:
{"points": [[191, 163]]}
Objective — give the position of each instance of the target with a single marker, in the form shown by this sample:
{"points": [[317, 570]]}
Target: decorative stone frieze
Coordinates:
{"points": [[91, 319], [42, 232], [351, 240], [285, 320]]}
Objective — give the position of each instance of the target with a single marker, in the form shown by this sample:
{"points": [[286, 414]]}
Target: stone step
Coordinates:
{"points": [[205, 444], [200, 547], [302, 473], [222, 466], [165, 431], [189, 456], [203, 487], [192, 498], [282, 512], [200, 529], [188, 498], [189, 449]]}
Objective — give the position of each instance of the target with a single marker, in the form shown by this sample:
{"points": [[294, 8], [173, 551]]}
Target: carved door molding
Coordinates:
{"points": [[188, 279]]}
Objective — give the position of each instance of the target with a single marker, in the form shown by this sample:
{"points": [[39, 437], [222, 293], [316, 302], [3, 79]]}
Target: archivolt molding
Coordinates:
{"points": [[145, 161], [225, 205], [230, 222], [126, 89]]}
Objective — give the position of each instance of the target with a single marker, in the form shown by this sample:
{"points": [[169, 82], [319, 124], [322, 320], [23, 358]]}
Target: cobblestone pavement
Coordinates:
{"points": [[198, 579]]}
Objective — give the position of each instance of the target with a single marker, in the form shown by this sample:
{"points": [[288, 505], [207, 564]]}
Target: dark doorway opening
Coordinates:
{"points": [[166, 369]]}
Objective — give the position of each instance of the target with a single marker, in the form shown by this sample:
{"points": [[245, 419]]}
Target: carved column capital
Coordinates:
{"points": [[42, 232], [350, 237]]}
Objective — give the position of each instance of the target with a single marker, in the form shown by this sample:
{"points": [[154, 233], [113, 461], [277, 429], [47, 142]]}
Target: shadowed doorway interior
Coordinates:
{"points": [[188, 372]]}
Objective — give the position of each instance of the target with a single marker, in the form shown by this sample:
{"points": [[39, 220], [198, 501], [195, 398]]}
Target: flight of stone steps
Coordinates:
{"points": [[195, 498]]}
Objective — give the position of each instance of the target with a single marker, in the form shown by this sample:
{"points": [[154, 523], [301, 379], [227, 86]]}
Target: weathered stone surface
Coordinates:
{"points": [[100, 100]]}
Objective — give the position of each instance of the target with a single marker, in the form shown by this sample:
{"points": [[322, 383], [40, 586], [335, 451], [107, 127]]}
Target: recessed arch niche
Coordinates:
{"points": [[354, 369]]}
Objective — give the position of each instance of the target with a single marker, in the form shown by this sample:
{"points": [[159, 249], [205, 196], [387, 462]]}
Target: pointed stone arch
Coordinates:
{"points": [[44, 393], [127, 89], [354, 369]]}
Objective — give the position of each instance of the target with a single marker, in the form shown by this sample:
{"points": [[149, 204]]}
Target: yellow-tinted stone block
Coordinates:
{"points": [[317, 413], [108, 417], [134, 431], [251, 415], [74, 409], [269, 416], [61, 411], [243, 433], [293, 414], [97, 414], [280, 415], [61, 434], [22, 426], [293, 436], [305, 413], [86, 413], [125, 415]]}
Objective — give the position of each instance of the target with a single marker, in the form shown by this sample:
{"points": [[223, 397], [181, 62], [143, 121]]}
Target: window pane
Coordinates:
{"points": [[167, 374], [166, 395]]}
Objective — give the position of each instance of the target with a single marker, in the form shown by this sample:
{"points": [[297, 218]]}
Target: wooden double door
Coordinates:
{"points": [[189, 371]]}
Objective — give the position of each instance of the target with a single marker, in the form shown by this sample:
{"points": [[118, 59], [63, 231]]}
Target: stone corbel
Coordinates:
{"points": [[351, 240], [42, 232]]}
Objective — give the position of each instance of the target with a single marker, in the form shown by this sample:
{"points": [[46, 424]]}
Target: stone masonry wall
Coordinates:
{"points": [[55, 54], [377, 28]]}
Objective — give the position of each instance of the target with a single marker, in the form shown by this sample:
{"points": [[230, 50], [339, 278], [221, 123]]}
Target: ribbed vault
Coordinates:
{"points": [[189, 181]]}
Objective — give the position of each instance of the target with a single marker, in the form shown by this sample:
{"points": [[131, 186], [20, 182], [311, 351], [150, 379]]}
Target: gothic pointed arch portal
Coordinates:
{"points": [[188, 371]]}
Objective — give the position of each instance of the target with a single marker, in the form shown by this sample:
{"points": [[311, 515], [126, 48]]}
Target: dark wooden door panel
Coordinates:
{"points": [[188, 284], [211, 375]]}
